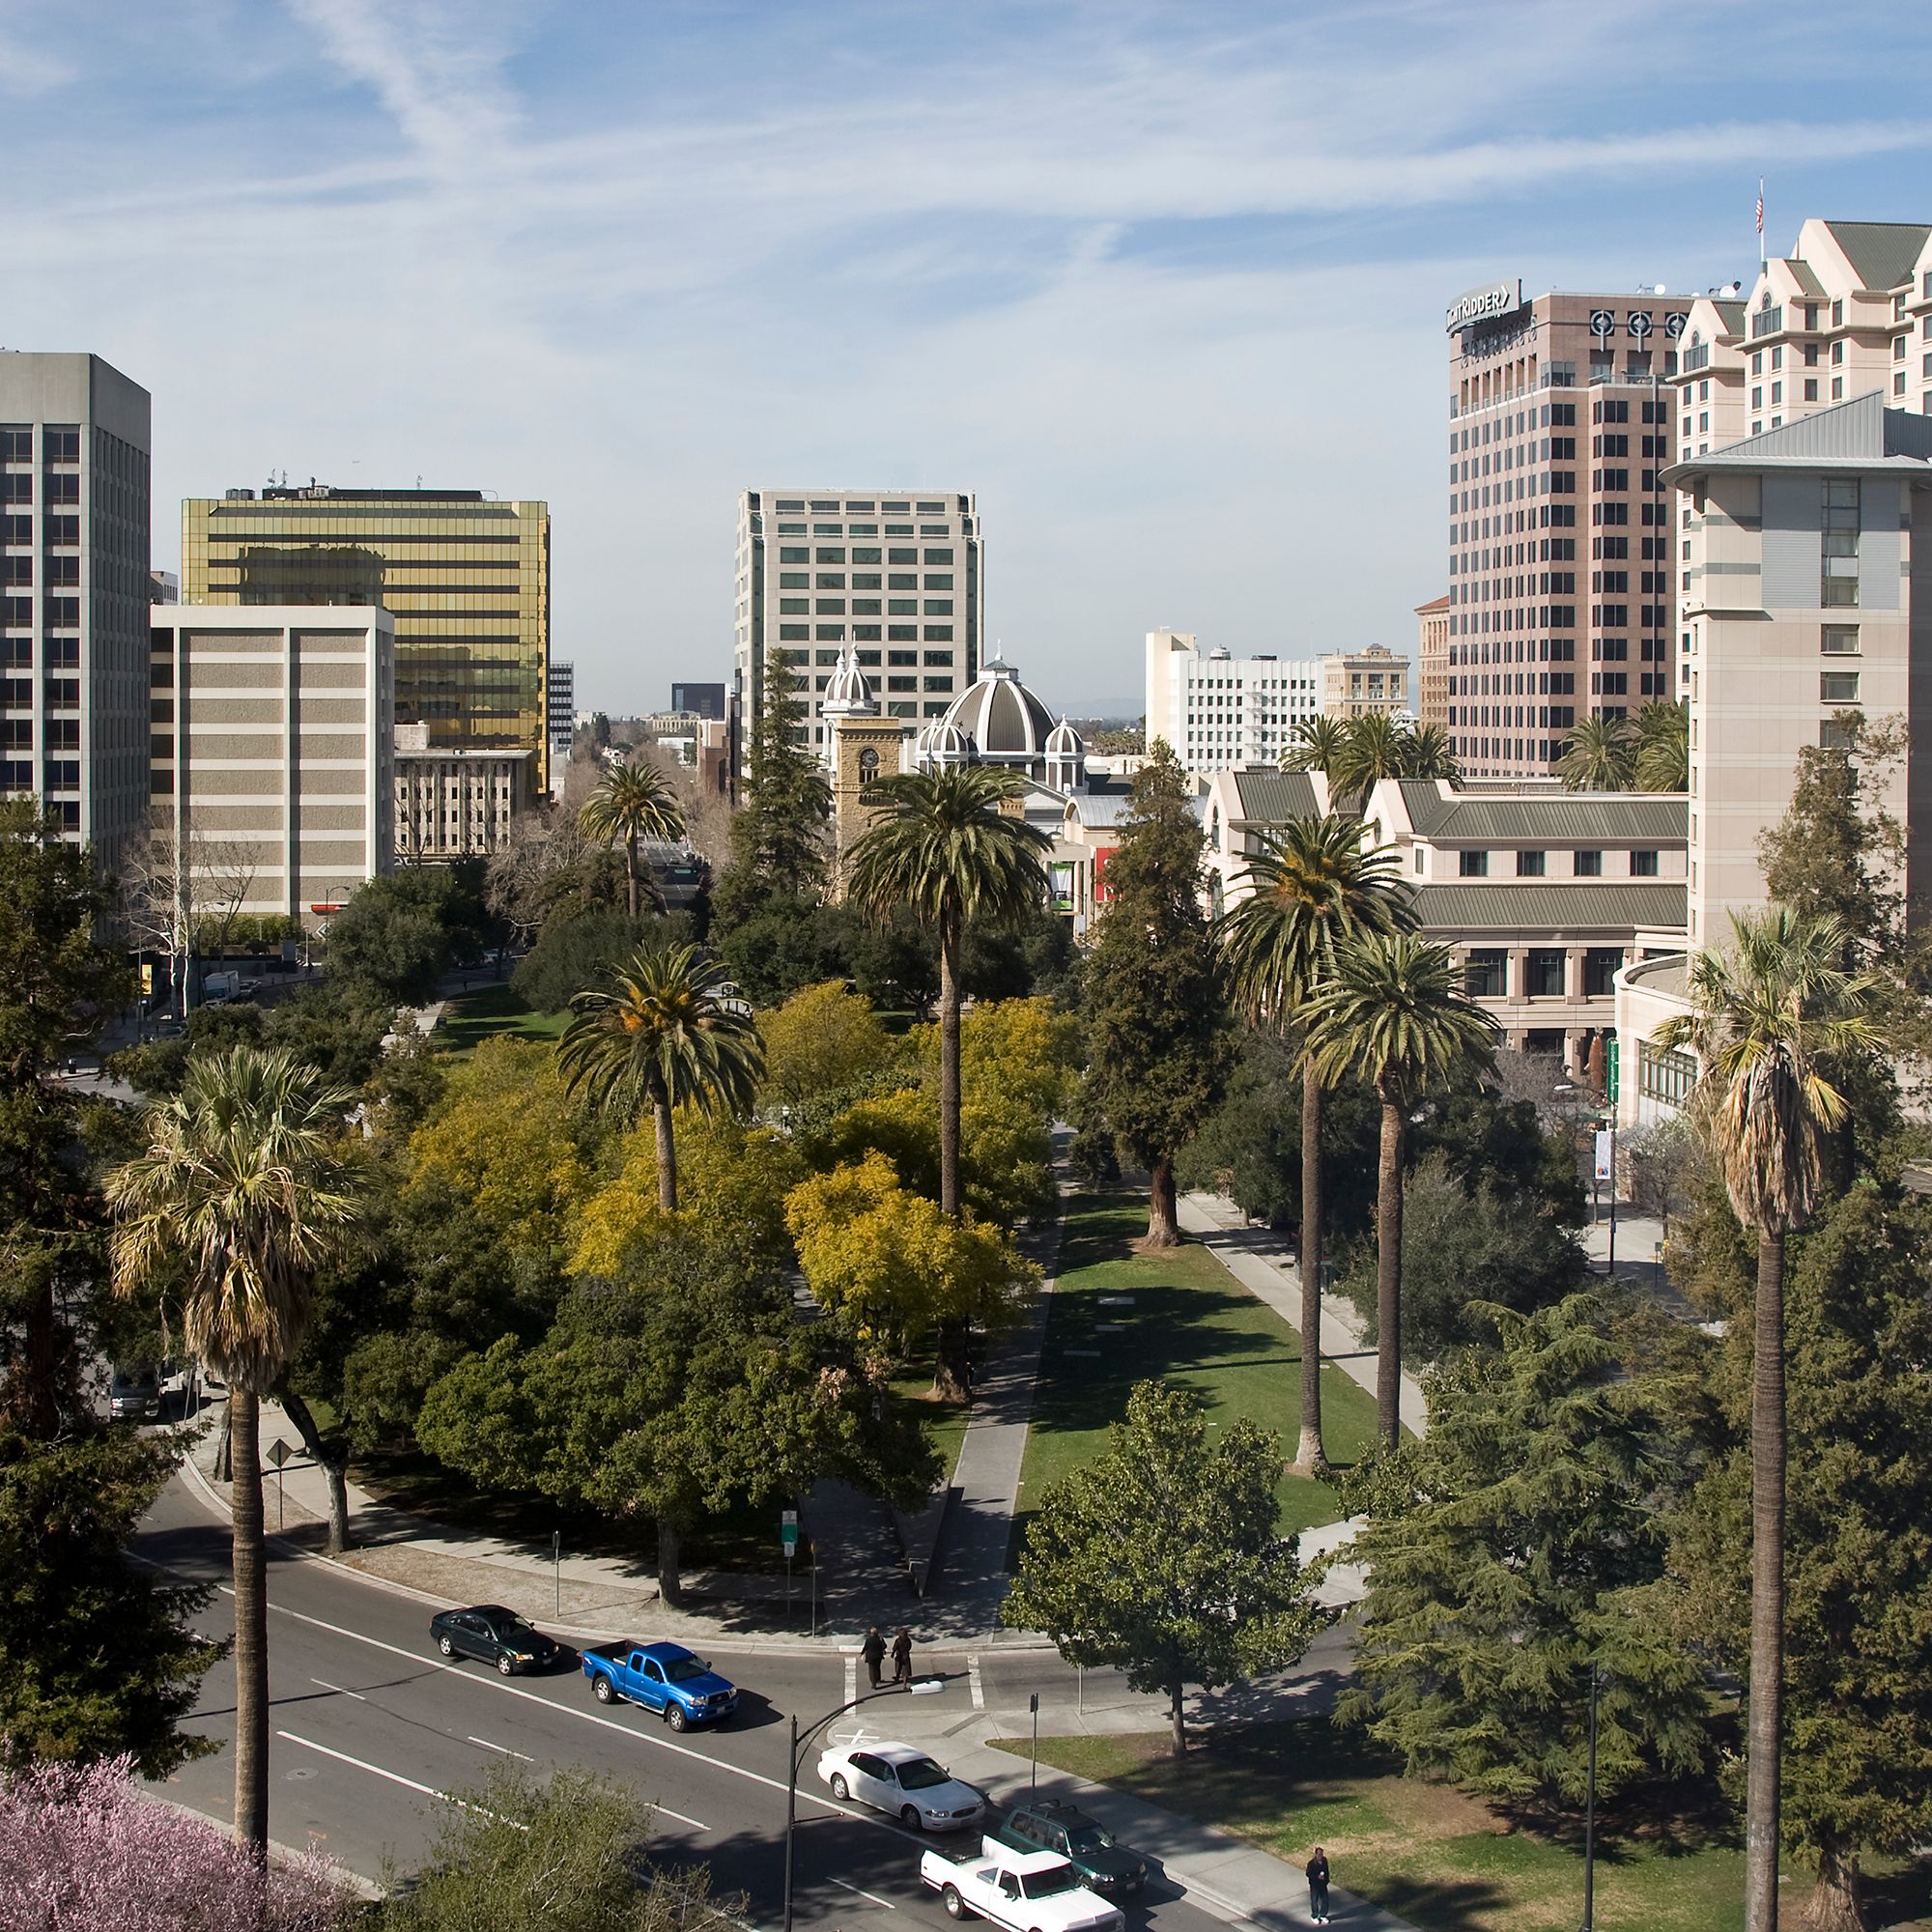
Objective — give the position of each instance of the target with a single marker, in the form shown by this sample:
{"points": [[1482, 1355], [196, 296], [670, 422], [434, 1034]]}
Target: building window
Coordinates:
{"points": [[1588, 866], [1840, 641], [1472, 864], [1600, 964], [1663, 1074], [1545, 967], [1643, 864], [1839, 584], [1486, 972], [1529, 864], [1839, 687]]}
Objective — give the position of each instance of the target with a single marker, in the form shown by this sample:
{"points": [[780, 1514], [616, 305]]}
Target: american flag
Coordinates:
{"points": [[1760, 208]]}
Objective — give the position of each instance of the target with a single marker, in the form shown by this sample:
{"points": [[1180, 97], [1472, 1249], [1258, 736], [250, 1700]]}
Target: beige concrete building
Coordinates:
{"points": [[271, 749], [1432, 663], [1216, 710], [1355, 683], [898, 577], [1559, 532], [453, 803]]}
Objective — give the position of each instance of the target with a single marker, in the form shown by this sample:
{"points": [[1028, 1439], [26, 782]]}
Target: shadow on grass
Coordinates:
{"points": [[485, 1012]]}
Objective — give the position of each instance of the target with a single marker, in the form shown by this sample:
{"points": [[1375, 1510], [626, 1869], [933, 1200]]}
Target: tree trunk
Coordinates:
{"points": [[251, 1626], [667, 1148], [1389, 1276], [40, 1410], [670, 1581], [224, 1448], [1163, 1216], [1835, 1904], [631, 872], [949, 1067], [1766, 1613], [1308, 1454], [1177, 1718], [334, 1469]]}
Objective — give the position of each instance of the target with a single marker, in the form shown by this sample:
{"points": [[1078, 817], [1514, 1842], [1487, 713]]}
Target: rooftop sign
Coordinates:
{"points": [[1484, 304]]}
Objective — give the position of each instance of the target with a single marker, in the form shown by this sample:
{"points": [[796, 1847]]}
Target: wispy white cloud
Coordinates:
{"points": [[26, 70]]}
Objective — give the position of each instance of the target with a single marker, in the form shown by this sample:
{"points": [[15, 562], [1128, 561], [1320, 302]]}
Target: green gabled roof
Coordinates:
{"points": [[1553, 906], [1274, 797], [1579, 817], [1883, 252]]}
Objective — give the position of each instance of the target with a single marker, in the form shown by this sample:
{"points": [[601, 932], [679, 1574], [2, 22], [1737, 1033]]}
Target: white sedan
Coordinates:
{"points": [[904, 1783]]}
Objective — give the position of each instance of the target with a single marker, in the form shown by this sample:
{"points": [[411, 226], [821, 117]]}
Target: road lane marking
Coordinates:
{"points": [[974, 1685], [504, 1749], [396, 1777], [851, 1677], [864, 1893], [696, 1824], [338, 1690]]}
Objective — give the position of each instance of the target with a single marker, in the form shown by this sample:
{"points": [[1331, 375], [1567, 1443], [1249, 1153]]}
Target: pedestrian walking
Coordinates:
{"points": [[1318, 1887], [902, 1657], [873, 1651]]}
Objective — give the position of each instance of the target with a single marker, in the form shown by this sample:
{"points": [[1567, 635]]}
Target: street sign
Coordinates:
{"points": [[789, 1530], [278, 1452]]}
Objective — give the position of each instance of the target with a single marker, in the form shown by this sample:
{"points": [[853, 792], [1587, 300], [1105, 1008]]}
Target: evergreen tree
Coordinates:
{"points": [[1159, 1036], [1529, 1522], [777, 838]]}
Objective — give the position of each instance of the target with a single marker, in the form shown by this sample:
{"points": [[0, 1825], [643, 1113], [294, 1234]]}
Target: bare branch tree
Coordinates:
{"points": [[183, 902]]}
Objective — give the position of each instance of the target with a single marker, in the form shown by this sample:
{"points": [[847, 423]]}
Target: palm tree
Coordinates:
{"points": [[1394, 1010], [239, 1196], [1765, 1018], [1598, 757], [669, 1032], [1312, 886], [1374, 746], [633, 801], [1317, 745], [1426, 754], [1662, 747]]}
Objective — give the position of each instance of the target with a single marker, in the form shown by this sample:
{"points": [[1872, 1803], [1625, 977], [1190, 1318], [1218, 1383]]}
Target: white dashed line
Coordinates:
{"points": [[851, 1676], [338, 1690], [504, 1749], [973, 1683], [396, 1777], [864, 1893]]}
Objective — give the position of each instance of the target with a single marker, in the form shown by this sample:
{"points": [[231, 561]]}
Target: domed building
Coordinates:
{"points": [[1002, 720]]}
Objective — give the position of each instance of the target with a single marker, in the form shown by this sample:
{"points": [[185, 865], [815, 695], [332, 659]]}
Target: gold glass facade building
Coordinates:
{"points": [[466, 577]]}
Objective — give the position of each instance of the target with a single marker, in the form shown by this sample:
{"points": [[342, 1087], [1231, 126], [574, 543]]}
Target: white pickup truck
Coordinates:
{"points": [[1024, 1891]]}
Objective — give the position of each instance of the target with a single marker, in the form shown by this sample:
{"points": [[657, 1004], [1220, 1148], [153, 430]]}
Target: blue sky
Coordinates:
{"points": [[1164, 284]]}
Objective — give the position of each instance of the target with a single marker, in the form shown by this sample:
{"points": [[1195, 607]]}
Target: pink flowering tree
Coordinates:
{"points": [[87, 1852]]}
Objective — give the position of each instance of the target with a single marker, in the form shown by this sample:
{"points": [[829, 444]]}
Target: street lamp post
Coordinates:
{"points": [[926, 1686], [1590, 1814]]}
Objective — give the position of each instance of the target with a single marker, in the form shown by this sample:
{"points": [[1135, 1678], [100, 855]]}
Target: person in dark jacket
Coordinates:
{"points": [[873, 1651], [1318, 1887], [902, 1657]]}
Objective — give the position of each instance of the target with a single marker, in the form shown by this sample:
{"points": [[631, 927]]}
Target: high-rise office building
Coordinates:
{"points": [[1218, 712], [701, 701], [562, 718], [1560, 571], [899, 576], [466, 575], [74, 603]]}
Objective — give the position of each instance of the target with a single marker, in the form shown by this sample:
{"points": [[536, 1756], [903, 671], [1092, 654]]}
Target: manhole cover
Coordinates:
{"points": [[300, 1770]]}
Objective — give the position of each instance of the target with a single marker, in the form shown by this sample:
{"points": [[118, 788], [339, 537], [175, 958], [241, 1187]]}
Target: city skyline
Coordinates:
{"points": [[365, 244]]}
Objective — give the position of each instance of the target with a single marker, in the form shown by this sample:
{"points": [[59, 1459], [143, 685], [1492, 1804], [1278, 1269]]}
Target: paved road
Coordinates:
{"points": [[368, 1724]]}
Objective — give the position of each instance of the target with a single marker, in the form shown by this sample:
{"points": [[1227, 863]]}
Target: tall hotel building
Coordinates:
{"points": [[74, 603], [467, 577], [1560, 567], [898, 577]]}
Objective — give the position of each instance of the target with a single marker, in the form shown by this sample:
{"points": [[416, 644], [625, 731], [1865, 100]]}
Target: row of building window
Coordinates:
{"points": [[59, 443], [17, 487], [1545, 974], [1473, 863], [835, 554], [835, 580], [835, 634], [864, 606]]}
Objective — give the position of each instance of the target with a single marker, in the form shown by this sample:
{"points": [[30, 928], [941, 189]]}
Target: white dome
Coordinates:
{"points": [[1006, 722], [1064, 742], [942, 743], [848, 695]]}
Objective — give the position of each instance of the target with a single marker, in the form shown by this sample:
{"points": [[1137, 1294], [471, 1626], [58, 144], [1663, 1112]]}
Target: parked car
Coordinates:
{"points": [[1025, 1892], [662, 1677], [135, 1395], [903, 1782], [1048, 1825], [496, 1635]]}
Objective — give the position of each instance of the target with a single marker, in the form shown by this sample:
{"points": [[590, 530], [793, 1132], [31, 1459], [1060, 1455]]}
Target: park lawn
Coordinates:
{"points": [[1191, 1323], [944, 1422], [485, 1012], [1429, 1854]]}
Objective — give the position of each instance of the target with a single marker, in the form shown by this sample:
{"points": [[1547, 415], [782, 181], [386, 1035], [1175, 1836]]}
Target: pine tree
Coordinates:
{"points": [[1160, 1041]]}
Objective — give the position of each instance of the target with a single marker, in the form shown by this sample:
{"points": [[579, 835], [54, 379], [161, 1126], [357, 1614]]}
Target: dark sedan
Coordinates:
{"points": [[496, 1635]]}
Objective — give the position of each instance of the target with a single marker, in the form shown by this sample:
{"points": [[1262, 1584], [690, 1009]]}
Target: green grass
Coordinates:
{"points": [[944, 1422], [1441, 1860], [487, 1011], [1190, 1322]]}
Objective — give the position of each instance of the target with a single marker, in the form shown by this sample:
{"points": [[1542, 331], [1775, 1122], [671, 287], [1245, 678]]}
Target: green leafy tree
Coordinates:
{"points": [[667, 1035], [1663, 747], [1766, 1018], [633, 801], [577, 949], [1515, 1563], [1599, 756], [1394, 1012], [946, 850], [241, 1196], [778, 834], [1163, 1558], [399, 935], [1310, 887], [1858, 1668], [824, 1039], [1159, 1041]]}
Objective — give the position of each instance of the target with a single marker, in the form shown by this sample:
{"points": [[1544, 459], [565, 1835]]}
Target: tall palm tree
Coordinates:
{"points": [[1394, 1010], [1600, 754], [1426, 753], [1312, 887], [1662, 747], [946, 850], [1374, 746], [1317, 745], [1765, 1020], [239, 1196], [633, 801], [668, 1033]]}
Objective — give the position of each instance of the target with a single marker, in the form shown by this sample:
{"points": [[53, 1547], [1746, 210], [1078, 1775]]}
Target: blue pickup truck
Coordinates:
{"points": [[662, 1677]]}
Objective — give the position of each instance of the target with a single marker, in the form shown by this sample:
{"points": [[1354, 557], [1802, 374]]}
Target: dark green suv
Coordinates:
{"points": [[1045, 1823]]}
